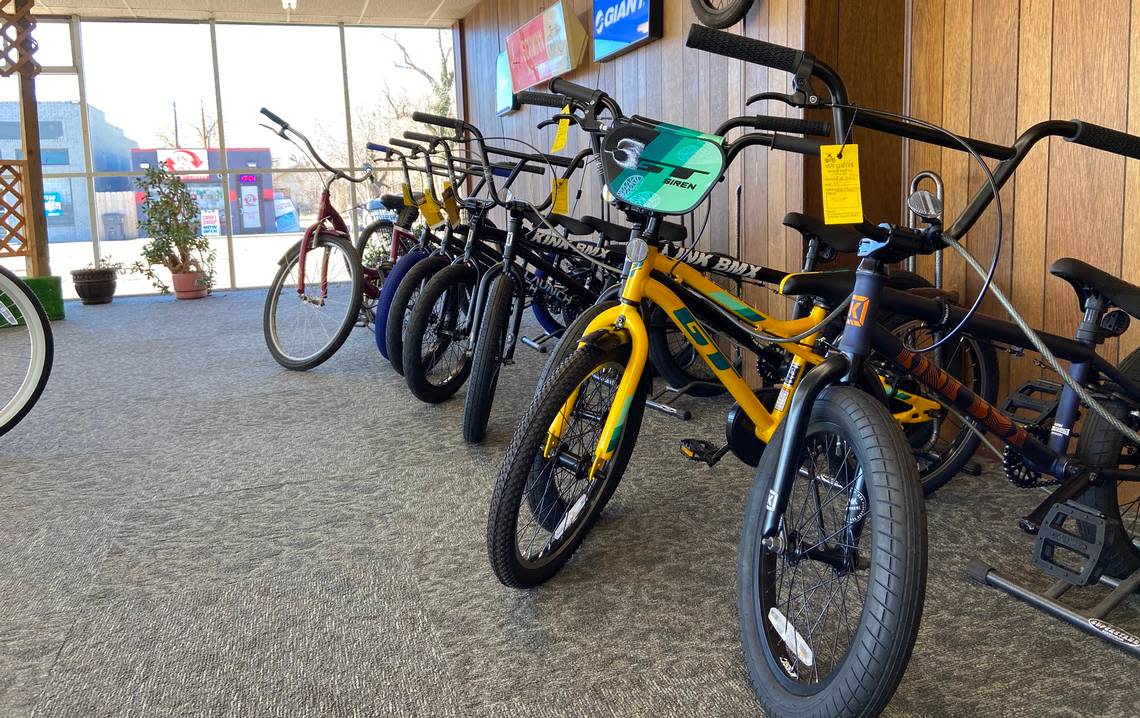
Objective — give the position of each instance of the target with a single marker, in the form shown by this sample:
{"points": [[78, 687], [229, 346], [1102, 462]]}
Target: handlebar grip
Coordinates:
{"points": [[275, 118], [423, 137], [799, 145], [756, 52], [430, 119], [1104, 138], [792, 124], [378, 148], [584, 95], [406, 145], [542, 99]]}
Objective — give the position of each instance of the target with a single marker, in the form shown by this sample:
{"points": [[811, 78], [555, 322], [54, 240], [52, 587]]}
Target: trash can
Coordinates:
{"points": [[113, 223]]}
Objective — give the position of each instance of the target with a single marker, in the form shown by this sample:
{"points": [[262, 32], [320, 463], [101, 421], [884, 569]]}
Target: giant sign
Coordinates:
{"points": [[545, 47], [622, 25]]}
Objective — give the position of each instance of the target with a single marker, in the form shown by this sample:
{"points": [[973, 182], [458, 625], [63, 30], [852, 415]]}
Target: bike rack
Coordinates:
{"points": [[912, 220], [1090, 621]]}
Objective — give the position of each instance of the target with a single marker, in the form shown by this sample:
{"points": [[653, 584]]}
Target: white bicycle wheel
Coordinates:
{"points": [[26, 350]]}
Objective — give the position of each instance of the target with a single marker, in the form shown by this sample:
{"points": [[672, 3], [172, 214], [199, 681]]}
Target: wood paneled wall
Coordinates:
{"points": [[667, 81], [992, 68]]}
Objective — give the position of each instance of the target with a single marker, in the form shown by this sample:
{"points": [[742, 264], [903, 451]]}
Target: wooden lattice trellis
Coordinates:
{"points": [[16, 44], [13, 220]]}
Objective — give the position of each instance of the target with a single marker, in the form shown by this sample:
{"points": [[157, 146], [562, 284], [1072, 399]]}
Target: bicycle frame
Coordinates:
{"points": [[328, 220], [646, 280]]}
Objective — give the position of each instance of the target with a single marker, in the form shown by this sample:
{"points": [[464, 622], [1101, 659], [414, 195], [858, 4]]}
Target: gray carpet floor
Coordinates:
{"points": [[187, 529]]}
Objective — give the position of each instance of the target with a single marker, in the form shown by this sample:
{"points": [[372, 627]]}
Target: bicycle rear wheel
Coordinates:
{"points": [[27, 350], [304, 329], [830, 607]]}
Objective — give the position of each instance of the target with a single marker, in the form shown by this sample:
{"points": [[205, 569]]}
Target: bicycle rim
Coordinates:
{"points": [[810, 599], [560, 498], [303, 326], [25, 350], [445, 342]]}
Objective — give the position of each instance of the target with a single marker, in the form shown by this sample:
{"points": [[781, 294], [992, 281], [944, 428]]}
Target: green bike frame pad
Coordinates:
{"points": [[661, 168]]}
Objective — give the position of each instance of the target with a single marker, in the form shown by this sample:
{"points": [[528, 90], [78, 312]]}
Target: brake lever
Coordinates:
{"points": [[572, 119], [803, 95], [796, 99]]}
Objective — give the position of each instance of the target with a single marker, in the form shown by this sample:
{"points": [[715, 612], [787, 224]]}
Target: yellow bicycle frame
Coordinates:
{"points": [[626, 319]]}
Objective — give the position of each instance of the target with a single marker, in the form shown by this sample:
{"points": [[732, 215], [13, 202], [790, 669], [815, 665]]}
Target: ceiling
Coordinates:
{"points": [[409, 13]]}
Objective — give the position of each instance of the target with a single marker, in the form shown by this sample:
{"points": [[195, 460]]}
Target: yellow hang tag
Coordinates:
{"points": [[561, 132], [842, 197], [408, 201], [450, 204], [430, 210], [561, 190]]}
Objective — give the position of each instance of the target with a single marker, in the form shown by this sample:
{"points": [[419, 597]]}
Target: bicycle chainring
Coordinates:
{"points": [[1013, 463]]}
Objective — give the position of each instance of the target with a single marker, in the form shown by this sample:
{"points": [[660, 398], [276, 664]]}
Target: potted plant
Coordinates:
{"points": [[95, 284], [171, 222]]}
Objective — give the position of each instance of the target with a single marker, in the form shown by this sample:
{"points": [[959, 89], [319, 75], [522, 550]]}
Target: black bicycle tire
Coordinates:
{"points": [[346, 326], [1099, 446], [456, 277], [881, 645], [990, 379], [511, 482], [365, 234], [413, 280], [731, 14], [486, 365]]}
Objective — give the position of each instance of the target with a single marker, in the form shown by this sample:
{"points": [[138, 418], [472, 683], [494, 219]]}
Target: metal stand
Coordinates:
{"points": [[1091, 621], [539, 343], [665, 406], [912, 220]]}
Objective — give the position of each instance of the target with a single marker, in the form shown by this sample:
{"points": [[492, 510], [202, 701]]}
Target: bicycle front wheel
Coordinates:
{"points": [[305, 323], [26, 350], [545, 501], [488, 359], [830, 606]]}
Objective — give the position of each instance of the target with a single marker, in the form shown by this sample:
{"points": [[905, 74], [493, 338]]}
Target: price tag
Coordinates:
{"points": [[450, 204], [430, 210], [561, 133], [408, 201], [842, 197], [560, 188]]}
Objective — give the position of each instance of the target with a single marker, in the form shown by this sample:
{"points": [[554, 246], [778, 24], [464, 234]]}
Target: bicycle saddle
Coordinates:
{"points": [[1087, 280], [835, 284], [668, 232], [843, 237], [396, 202]]}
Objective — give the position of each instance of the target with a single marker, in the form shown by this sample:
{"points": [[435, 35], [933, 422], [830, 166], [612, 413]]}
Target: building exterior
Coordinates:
{"points": [[61, 141]]}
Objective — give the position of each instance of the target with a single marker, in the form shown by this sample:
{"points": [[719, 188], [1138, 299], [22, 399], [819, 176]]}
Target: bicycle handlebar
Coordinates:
{"points": [[378, 148], [574, 91], [1106, 139], [747, 49], [275, 118], [791, 124], [542, 99], [449, 122]]}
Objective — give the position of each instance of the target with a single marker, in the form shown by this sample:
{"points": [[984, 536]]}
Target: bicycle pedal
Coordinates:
{"points": [[1060, 549], [701, 450]]}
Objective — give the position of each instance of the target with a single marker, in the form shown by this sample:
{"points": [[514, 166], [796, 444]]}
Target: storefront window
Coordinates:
{"points": [[309, 94]]}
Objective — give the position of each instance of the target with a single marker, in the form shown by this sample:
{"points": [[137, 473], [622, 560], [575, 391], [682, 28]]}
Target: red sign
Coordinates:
{"points": [[546, 46], [184, 160]]}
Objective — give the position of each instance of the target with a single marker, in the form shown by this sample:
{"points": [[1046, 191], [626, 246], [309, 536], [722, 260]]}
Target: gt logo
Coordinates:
{"points": [[858, 312]]}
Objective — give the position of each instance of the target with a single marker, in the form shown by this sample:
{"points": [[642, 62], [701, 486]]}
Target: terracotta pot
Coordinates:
{"points": [[186, 286], [94, 286]]}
